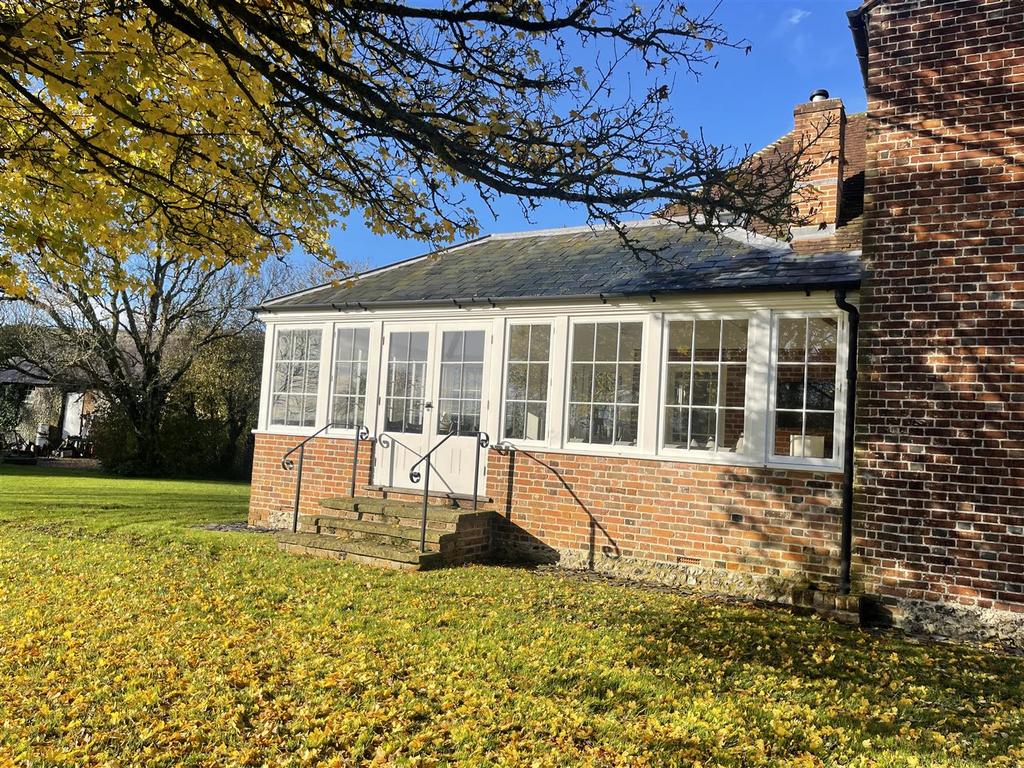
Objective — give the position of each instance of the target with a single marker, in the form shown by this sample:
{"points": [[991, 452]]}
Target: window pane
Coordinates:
{"points": [[788, 425], [343, 379], [308, 411], [792, 340], [680, 341], [733, 386], [312, 345], [413, 417], [540, 342], [537, 387], [341, 413], [312, 378], [417, 379], [516, 389], [703, 429], [583, 342], [604, 383], [515, 421], [607, 345], [536, 421], [451, 380], [626, 424], [630, 342], [821, 334], [284, 345], [398, 380], [519, 343], [343, 347], [474, 347], [818, 438], [581, 383], [705, 385], [362, 344], [790, 386], [628, 390], [678, 385], [676, 421], [472, 380], [579, 423], [602, 427], [280, 383], [418, 346], [730, 431], [398, 349], [706, 339], [821, 387], [294, 415], [734, 340], [277, 409], [447, 416], [451, 348]]}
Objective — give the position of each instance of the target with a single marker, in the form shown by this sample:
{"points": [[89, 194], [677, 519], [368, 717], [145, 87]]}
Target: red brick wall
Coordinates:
{"points": [[763, 522], [327, 472], [940, 468]]}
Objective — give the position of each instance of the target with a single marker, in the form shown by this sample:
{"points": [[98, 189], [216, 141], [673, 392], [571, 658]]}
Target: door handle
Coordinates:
{"points": [[428, 406]]}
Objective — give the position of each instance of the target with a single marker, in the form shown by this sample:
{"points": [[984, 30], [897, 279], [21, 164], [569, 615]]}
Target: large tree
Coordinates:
{"points": [[240, 130], [134, 338]]}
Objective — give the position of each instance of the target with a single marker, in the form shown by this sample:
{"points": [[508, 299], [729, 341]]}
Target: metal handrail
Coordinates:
{"points": [[363, 433], [482, 441], [414, 476]]}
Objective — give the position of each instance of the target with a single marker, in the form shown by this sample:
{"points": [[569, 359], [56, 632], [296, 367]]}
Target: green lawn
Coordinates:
{"points": [[129, 637]]}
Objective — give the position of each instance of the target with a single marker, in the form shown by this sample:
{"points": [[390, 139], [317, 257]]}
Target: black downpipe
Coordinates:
{"points": [[846, 542]]}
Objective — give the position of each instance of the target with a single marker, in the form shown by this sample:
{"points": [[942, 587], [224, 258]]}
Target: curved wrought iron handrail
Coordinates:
{"points": [[384, 440], [362, 433], [413, 474], [287, 463]]}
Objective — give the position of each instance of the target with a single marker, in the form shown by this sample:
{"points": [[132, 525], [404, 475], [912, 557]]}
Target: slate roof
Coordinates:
{"points": [[582, 263]]}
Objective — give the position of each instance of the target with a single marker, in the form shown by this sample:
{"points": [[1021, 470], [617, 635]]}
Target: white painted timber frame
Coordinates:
{"points": [[760, 309]]}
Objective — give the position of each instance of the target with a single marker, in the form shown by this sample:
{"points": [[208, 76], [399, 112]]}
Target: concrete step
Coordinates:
{"points": [[449, 498], [405, 558], [396, 512], [374, 530]]}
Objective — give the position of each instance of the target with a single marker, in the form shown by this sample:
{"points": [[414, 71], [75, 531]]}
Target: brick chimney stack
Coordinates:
{"points": [[819, 127]]}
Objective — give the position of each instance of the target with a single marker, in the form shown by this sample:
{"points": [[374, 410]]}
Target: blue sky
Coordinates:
{"points": [[749, 99]]}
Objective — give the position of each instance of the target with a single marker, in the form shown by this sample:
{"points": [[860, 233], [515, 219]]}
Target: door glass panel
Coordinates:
{"points": [[407, 370], [462, 371]]}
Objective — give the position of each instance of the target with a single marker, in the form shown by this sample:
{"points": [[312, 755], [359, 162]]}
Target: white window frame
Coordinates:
{"points": [[372, 360], [752, 453], [839, 425], [552, 363], [325, 357], [648, 322]]}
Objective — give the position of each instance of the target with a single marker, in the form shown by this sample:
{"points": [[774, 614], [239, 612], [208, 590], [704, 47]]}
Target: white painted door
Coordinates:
{"points": [[404, 405], [434, 380]]}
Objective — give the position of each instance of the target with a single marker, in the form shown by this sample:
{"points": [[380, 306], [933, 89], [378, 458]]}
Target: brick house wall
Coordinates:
{"points": [[742, 530], [327, 473], [940, 461]]}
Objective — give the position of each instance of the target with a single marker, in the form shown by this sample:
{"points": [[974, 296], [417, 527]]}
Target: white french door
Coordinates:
{"points": [[434, 379]]}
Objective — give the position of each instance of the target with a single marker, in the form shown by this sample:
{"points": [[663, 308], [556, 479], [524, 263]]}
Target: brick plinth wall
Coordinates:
{"points": [[327, 472], [940, 465], [600, 512]]}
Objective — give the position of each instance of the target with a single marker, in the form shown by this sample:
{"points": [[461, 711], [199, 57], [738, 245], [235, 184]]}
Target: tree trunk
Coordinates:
{"points": [[146, 420]]}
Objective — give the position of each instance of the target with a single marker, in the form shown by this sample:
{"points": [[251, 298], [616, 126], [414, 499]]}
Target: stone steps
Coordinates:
{"points": [[401, 513], [374, 530], [403, 558], [386, 532]]}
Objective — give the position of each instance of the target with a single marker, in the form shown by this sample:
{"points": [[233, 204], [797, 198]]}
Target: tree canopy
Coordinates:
{"points": [[238, 131]]}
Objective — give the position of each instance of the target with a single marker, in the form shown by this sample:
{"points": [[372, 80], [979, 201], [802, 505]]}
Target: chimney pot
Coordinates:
{"points": [[819, 95]]}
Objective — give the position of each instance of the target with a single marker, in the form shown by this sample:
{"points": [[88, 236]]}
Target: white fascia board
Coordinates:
{"points": [[822, 298]]}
